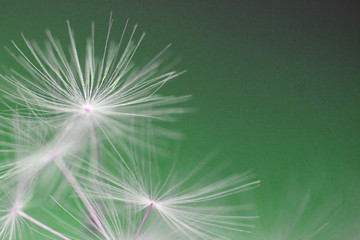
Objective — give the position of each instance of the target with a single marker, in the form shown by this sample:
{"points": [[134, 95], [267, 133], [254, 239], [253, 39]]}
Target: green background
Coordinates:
{"points": [[274, 85]]}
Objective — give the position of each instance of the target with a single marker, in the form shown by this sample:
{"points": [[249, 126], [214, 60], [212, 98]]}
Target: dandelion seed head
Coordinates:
{"points": [[10, 225], [65, 89], [190, 211], [14, 196]]}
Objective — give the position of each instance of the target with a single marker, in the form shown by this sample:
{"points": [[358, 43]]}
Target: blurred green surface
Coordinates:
{"points": [[275, 87]]}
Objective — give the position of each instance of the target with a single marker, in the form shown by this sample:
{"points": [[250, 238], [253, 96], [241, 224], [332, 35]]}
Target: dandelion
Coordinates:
{"points": [[31, 164], [117, 224], [13, 218], [193, 212], [62, 104], [32, 149], [110, 91], [105, 95], [10, 224]]}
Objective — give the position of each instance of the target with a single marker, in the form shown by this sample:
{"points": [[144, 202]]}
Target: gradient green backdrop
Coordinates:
{"points": [[275, 87]]}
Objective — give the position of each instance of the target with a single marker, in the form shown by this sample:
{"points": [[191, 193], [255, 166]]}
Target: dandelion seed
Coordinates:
{"points": [[187, 211], [34, 152], [12, 215], [29, 166], [110, 90], [117, 224]]}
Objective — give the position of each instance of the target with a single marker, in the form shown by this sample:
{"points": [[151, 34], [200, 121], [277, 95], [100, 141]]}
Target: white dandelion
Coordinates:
{"points": [[102, 96], [194, 211], [109, 90], [45, 161], [14, 221], [71, 101], [119, 221], [33, 150]]}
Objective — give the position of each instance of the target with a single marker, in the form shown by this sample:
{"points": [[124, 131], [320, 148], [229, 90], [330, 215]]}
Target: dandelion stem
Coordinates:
{"points": [[71, 179], [95, 146], [143, 221], [43, 226]]}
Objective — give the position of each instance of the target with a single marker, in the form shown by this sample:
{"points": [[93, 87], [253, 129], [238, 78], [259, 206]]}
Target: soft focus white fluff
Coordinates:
{"points": [[70, 111]]}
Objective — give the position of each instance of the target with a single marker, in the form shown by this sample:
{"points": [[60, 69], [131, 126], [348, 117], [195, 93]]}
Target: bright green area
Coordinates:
{"points": [[275, 87]]}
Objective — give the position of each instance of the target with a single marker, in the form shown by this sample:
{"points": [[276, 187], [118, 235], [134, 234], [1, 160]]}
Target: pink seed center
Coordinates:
{"points": [[15, 209], [87, 108]]}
